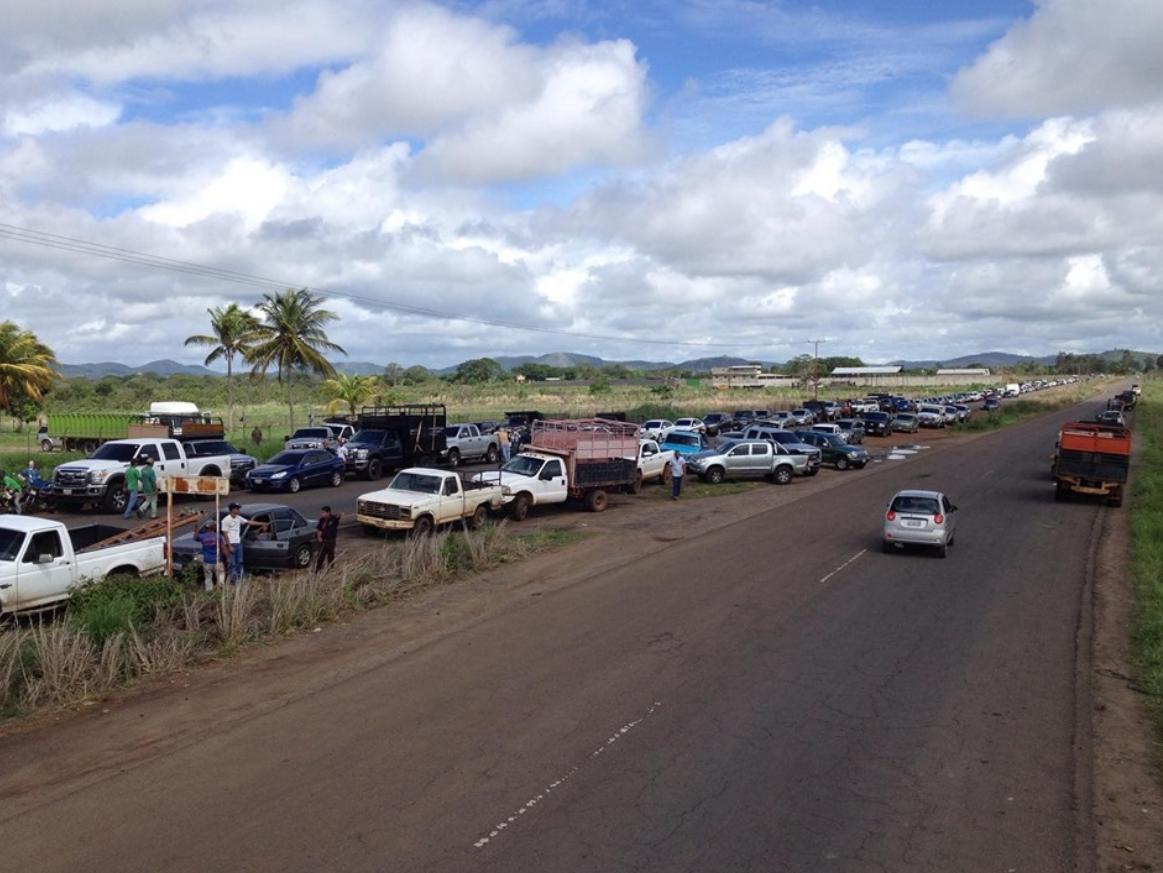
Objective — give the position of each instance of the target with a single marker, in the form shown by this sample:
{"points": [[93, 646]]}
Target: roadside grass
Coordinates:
{"points": [[122, 629], [694, 488], [1147, 550]]}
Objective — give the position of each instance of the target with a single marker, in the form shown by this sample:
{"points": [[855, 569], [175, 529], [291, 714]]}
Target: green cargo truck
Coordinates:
{"points": [[83, 431]]}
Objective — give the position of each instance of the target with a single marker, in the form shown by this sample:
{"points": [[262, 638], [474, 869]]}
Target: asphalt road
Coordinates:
{"points": [[777, 695]]}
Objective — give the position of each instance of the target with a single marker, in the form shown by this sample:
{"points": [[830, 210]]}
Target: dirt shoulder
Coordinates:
{"points": [[1128, 797]]}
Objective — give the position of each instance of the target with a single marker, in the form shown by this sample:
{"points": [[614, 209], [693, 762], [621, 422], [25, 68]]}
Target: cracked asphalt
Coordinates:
{"points": [[907, 714]]}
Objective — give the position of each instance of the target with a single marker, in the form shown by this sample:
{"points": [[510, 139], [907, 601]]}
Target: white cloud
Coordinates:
{"points": [[1070, 56], [57, 114]]}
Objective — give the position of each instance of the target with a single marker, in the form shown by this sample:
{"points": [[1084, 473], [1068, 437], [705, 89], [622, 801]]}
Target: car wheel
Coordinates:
{"points": [[943, 550], [336, 479], [453, 458], [301, 559], [294, 485], [519, 509], [635, 487], [479, 516], [115, 498], [841, 463], [423, 526], [374, 468], [715, 475], [887, 547], [491, 454], [783, 475]]}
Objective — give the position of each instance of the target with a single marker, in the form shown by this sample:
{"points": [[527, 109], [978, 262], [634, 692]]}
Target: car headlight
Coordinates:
{"points": [[98, 475], [361, 453], [280, 475]]}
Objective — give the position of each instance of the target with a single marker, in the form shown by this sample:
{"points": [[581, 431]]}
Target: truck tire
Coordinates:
{"points": [[635, 487], [294, 485], [715, 475], [841, 463], [423, 526], [783, 474], [454, 457], [491, 454], [46, 445], [596, 500], [70, 444], [90, 446], [374, 469], [210, 471], [479, 516], [1116, 498], [1061, 492], [336, 479], [519, 509], [116, 496]]}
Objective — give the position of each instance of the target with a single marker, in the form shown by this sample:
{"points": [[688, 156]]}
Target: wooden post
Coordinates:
{"points": [[169, 532]]}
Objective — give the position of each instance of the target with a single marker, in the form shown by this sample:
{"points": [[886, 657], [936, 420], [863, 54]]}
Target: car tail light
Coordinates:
{"points": [[938, 519], [890, 516]]}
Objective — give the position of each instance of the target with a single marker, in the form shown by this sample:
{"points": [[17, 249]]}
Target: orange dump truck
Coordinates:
{"points": [[1092, 459]]}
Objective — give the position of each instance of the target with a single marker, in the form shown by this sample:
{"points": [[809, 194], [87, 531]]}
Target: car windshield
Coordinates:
{"points": [[727, 446], [421, 483], [922, 505], [306, 432], [115, 452], [683, 439], [374, 437], [10, 542], [877, 416], [286, 459], [523, 465], [214, 448], [834, 440]]}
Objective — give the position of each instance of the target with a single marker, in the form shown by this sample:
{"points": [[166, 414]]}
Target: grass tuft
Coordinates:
{"points": [[1147, 549]]}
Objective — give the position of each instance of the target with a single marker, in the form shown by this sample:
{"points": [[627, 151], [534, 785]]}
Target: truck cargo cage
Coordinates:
{"points": [[589, 439], [420, 427]]}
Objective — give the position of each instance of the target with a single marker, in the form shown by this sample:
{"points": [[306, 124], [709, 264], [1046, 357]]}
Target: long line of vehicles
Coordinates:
{"points": [[581, 461]]}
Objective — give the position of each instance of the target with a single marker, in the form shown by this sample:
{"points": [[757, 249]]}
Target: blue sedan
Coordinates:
{"points": [[295, 469]]}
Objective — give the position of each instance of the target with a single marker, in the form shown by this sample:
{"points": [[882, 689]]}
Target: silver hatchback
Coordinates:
{"points": [[920, 518]]}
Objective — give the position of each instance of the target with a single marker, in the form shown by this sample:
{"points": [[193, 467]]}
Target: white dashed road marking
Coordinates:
{"points": [[824, 579], [524, 808]]}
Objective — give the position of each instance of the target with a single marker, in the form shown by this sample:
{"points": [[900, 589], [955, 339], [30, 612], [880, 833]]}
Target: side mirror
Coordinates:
{"points": [[953, 508]]}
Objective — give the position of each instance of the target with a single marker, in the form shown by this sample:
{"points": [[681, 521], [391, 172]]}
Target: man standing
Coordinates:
{"points": [[213, 551], [506, 446], [132, 485], [148, 490], [326, 532], [232, 527], [677, 468], [341, 450], [256, 437]]}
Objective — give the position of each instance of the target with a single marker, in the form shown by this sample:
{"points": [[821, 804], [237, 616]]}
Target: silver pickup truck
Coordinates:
{"points": [[747, 459], [466, 443]]}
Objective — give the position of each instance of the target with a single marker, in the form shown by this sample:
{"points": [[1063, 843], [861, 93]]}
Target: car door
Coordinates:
{"points": [[43, 570], [172, 461], [451, 501], [551, 484], [650, 460], [738, 460], [761, 459], [259, 546], [321, 467]]}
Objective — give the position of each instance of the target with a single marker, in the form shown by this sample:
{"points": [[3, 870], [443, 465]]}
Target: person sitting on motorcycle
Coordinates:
{"points": [[32, 477]]}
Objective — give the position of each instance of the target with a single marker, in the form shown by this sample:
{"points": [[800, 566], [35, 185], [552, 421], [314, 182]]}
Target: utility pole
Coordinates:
{"points": [[816, 367]]}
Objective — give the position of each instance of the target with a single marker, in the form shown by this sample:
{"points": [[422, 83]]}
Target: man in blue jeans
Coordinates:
{"points": [[232, 527], [677, 468]]}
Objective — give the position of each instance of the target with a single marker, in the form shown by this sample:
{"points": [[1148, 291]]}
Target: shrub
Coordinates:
{"points": [[115, 604]]}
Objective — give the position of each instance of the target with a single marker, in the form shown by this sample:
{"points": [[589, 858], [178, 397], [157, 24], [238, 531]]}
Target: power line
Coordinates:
{"points": [[46, 239]]}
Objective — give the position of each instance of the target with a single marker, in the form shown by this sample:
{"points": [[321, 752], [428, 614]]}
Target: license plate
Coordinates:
{"points": [[913, 522], [258, 481], [66, 491]]}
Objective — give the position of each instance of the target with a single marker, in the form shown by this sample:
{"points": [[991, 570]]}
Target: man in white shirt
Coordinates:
{"points": [[342, 450], [677, 468], [232, 526]]}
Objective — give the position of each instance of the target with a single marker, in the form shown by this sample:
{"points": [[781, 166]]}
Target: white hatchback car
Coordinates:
{"points": [[920, 518], [695, 424], [654, 429]]}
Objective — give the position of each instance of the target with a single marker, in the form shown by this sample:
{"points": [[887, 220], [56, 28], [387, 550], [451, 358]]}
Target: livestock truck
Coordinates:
{"points": [[581, 460], [1093, 459]]}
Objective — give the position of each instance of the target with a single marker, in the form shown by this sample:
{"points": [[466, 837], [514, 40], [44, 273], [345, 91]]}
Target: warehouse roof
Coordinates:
{"points": [[865, 371], [971, 371]]}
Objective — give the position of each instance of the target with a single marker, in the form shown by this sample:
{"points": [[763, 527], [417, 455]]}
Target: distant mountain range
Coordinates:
{"points": [[993, 360]]}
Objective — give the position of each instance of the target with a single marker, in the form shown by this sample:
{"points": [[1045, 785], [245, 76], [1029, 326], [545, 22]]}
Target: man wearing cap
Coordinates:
{"points": [[326, 532], [232, 526]]}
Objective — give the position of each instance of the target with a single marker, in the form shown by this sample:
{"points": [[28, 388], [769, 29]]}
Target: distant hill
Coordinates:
{"points": [[359, 368], [111, 368]]}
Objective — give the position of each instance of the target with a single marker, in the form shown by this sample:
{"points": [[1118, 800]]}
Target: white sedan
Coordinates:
{"points": [[653, 429], [695, 424]]}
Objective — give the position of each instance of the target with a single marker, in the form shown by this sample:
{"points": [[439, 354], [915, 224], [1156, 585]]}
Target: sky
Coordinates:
{"points": [[634, 179]]}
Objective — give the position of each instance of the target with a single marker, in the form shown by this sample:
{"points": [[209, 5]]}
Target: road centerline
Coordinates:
{"points": [[828, 576]]}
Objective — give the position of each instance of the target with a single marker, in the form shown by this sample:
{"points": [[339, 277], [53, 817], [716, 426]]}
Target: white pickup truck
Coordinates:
{"points": [[419, 499], [100, 479], [653, 463], [41, 562]]}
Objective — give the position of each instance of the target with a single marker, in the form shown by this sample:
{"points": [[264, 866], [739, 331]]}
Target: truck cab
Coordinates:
{"points": [[419, 499]]}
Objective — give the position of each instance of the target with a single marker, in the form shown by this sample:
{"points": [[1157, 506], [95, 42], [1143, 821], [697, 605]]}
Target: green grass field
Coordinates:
{"points": [[1147, 549]]}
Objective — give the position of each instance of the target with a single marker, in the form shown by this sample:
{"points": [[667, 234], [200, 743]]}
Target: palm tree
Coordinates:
{"points": [[292, 338], [235, 330], [26, 366], [350, 391]]}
